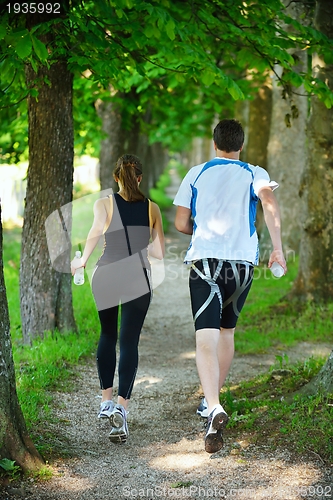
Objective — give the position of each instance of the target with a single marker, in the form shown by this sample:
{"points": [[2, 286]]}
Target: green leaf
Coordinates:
{"points": [[23, 47], [6, 67], [295, 79], [149, 30], [39, 48], [7, 465], [328, 57], [235, 91], [170, 27], [33, 64], [208, 78], [328, 103], [3, 31]]}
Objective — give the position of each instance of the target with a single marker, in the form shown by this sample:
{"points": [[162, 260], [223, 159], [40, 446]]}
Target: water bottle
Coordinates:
{"points": [[277, 270], [79, 273]]}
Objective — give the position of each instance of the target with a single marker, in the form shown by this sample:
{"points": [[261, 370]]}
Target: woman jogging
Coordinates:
{"points": [[132, 228]]}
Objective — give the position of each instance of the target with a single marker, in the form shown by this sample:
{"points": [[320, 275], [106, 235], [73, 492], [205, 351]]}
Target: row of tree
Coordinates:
{"points": [[155, 72]]}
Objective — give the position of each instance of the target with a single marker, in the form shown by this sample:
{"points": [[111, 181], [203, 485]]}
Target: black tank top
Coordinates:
{"points": [[128, 232]]}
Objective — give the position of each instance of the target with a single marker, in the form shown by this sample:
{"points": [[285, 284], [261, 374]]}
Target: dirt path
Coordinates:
{"points": [[164, 456]]}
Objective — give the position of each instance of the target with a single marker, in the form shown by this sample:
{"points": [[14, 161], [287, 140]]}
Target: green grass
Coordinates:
{"points": [[261, 408], [49, 364], [270, 320]]}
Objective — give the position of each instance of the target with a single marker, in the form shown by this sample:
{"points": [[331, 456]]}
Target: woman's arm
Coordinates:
{"points": [[96, 231], [157, 247]]}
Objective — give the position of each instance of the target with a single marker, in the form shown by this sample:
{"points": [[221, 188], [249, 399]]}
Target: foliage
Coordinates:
{"points": [[188, 61], [9, 468], [159, 196]]}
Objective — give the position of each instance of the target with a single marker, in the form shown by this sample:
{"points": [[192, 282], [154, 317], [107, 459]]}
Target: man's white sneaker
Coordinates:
{"points": [[217, 420], [202, 409], [118, 420], [106, 409]]}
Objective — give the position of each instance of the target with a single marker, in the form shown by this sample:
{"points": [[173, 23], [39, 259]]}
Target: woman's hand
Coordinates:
{"points": [[76, 264]]}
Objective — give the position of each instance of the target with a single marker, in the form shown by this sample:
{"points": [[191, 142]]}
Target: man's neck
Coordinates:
{"points": [[233, 155]]}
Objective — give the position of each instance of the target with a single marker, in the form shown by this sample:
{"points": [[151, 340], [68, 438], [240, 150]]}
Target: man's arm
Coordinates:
{"points": [[273, 221], [183, 221]]}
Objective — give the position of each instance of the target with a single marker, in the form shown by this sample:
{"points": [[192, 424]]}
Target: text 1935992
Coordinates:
{"points": [[33, 8]]}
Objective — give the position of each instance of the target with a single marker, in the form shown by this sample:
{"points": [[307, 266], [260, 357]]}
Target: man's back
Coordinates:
{"points": [[222, 197]]}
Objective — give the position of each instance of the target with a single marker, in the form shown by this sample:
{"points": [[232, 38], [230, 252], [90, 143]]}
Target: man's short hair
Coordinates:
{"points": [[229, 136]]}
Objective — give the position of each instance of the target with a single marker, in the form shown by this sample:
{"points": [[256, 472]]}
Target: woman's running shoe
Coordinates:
{"points": [[118, 420], [106, 409]]}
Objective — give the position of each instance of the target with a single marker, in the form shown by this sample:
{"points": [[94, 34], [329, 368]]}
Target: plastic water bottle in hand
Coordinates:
{"points": [[277, 270], [79, 273]]}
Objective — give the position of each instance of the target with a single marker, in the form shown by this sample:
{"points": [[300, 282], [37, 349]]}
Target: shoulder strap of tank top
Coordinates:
{"points": [[108, 218], [150, 217]]}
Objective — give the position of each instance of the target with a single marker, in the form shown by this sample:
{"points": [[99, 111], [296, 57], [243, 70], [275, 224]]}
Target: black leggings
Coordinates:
{"points": [[133, 314]]}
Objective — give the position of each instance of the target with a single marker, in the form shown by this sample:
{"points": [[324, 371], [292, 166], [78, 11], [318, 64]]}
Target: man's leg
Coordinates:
{"points": [[207, 359], [226, 350], [214, 355]]}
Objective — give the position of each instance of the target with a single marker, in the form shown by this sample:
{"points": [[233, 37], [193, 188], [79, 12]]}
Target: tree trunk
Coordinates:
{"points": [[323, 382], [315, 276], [15, 443], [287, 151], [113, 144], [259, 123], [119, 141], [46, 295]]}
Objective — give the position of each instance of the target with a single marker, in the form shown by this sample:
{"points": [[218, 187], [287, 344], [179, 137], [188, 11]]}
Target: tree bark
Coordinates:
{"points": [[113, 144], [46, 295], [119, 141], [323, 382], [315, 276], [15, 443], [259, 123], [287, 151]]}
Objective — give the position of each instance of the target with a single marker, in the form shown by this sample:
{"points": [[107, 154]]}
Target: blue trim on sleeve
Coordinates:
{"points": [[193, 205], [252, 210]]}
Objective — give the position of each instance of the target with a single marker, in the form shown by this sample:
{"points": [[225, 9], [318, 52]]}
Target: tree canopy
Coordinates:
{"points": [[184, 57]]}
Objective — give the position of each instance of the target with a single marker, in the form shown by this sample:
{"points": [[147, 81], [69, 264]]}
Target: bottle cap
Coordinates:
{"points": [[277, 270], [78, 254]]}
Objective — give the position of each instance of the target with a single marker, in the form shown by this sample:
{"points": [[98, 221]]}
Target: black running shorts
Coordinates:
{"points": [[217, 299]]}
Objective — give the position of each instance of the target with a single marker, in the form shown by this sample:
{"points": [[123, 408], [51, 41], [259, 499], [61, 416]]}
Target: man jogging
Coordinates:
{"points": [[216, 204]]}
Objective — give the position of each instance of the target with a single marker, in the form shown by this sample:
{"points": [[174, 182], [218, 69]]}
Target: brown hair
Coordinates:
{"points": [[128, 169], [229, 136]]}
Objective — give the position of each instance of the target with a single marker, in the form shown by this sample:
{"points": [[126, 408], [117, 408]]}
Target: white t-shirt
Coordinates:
{"points": [[222, 195]]}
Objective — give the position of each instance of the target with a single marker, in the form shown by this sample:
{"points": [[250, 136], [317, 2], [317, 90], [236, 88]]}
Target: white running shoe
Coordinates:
{"points": [[118, 420], [217, 420], [106, 409], [203, 408]]}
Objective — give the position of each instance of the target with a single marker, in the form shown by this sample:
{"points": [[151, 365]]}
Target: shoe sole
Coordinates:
{"points": [[118, 438], [214, 440], [103, 416], [116, 420]]}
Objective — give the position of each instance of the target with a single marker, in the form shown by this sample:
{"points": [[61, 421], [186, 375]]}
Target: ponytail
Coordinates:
{"points": [[128, 169]]}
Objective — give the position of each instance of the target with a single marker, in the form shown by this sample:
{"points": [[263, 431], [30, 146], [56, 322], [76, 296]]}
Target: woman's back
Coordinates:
{"points": [[128, 232]]}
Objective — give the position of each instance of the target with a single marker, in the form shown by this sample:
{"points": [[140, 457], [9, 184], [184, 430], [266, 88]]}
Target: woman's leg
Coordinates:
{"points": [[106, 351], [133, 314]]}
